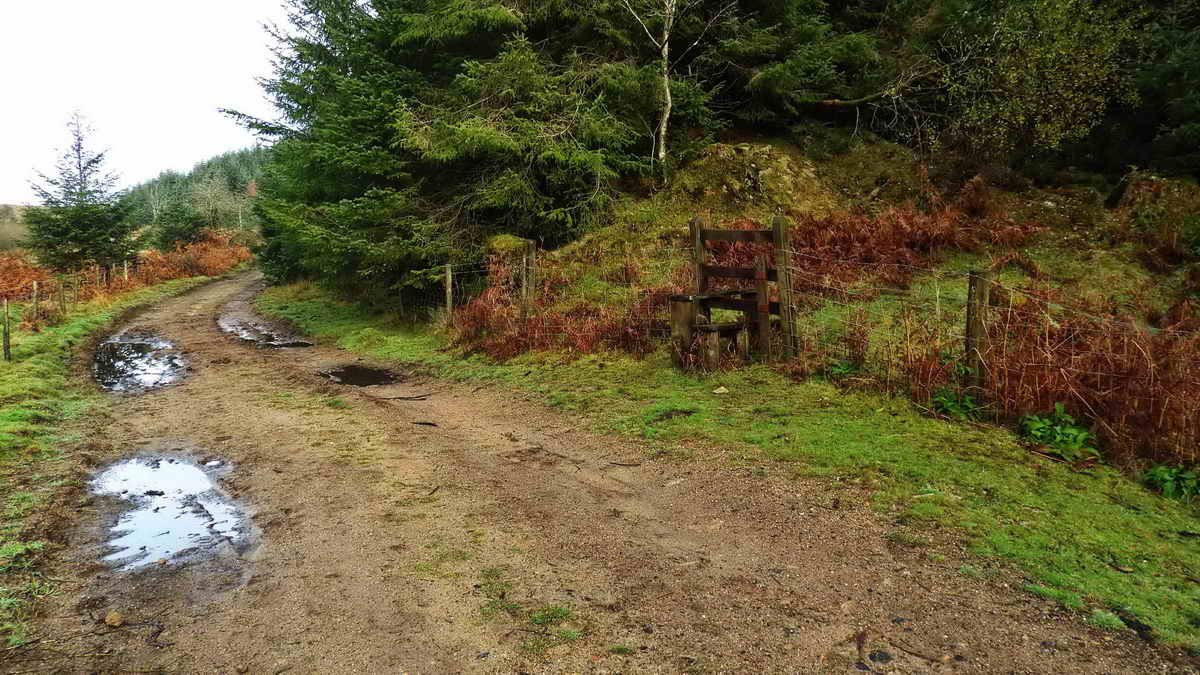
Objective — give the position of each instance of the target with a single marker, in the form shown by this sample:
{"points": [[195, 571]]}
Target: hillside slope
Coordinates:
{"points": [[12, 230]]}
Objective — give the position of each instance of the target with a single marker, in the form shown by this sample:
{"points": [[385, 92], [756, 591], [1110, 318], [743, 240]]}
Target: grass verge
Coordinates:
{"points": [[1094, 541], [38, 397]]}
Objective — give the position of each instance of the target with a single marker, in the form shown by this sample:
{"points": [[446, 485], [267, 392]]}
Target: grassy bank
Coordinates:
{"points": [[38, 399], [1094, 541]]}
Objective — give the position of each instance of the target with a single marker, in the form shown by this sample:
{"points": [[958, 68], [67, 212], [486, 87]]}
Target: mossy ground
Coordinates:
{"points": [[38, 397], [1093, 540]]}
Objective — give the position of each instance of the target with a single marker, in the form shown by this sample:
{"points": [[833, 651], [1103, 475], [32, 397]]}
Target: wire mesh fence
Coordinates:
{"points": [[900, 327]]}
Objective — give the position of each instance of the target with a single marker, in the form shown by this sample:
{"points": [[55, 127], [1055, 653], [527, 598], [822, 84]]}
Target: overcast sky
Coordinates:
{"points": [[148, 74]]}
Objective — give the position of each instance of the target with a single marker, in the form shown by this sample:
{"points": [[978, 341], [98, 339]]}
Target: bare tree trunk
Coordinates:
{"points": [[665, 71]]}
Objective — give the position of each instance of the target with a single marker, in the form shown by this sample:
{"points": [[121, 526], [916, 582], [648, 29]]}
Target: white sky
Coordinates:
{"points": [[148, 74]]}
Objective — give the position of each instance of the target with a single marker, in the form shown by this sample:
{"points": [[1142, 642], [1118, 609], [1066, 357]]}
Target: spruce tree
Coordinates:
{"points": [[79, 221]]}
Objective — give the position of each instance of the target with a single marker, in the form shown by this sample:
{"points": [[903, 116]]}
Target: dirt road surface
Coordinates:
{"points": [[505, 539]]}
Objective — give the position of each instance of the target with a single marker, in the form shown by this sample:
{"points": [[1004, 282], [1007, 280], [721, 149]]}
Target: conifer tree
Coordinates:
{"points": [[79, 221]]}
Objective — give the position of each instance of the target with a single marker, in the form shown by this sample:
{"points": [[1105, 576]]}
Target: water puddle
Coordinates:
{"points": [[137, 362], [361, 376], [177, 508], [258, 332]]}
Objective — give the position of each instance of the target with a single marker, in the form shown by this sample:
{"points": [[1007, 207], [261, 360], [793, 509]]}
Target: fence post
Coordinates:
{"points": [[764, 306], [682, 318], [126, 270], [449, 291], [784, 271], [7, 348], [979, 293], [62, 296], [699, 253], [36, 302], [525, 288]]}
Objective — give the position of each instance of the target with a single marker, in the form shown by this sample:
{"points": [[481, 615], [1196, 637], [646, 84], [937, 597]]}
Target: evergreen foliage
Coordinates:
{"points": [[175, 207], [79, 221], [410, 131]]}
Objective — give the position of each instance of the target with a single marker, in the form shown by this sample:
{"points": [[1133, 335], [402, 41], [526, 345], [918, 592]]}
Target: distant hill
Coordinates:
{"points": [[12, 229]]}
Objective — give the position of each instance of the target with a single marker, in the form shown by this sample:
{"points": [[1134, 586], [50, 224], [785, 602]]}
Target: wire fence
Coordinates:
{"points": [[898, 327], [34, 297]]}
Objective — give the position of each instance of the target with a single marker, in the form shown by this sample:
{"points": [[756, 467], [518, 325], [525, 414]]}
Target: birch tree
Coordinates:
{"points": [[665, 15]]}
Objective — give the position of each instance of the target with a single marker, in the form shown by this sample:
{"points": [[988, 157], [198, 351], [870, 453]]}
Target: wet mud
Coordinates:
{"points": [[137, 362], [361, 376], [175, 510], [239, 319]]}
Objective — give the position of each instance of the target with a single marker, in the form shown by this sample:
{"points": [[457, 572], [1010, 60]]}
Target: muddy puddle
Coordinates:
{"points": [[239, 319], [136, 362], [361, 376], [257, 332], [175, 509]]}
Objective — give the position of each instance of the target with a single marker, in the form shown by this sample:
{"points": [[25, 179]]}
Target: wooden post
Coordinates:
{"points": [[699, 253], [525, 285], [764, 307], [7, 334], [682, 319], [979, 293], [36, 303], [126, 270], [533, 277], [783, 270], [700, 312], [62, 296], [712, 350], [449, 291]]}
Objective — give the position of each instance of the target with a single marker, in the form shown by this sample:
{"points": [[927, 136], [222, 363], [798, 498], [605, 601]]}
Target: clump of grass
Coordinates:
{"points": [[1106, 620], [621, 650], [1067, 599]]}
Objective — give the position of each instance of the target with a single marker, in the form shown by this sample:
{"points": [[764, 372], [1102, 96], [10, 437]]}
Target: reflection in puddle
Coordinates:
{"points": [[176, 508], [258, 332], [361, 376], [137, 362]]}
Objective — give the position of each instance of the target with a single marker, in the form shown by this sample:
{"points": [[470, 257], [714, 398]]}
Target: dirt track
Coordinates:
{"points": [[381, 542]]}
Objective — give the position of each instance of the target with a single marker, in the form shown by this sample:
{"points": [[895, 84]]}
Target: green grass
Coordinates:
{"points": [[38, 397], [1072, 533]]}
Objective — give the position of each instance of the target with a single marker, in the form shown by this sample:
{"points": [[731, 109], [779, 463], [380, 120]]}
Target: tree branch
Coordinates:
{"points": [[643, 23]]}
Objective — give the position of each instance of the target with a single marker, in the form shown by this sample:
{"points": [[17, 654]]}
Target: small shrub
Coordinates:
{"points": [[842, 368], [1174, 482], [957, 405], [1059, 432]]}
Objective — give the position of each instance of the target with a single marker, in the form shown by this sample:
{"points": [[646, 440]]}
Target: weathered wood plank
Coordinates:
{"points": [[764, 313], [736, 272], [758, 236], [779, 227]]}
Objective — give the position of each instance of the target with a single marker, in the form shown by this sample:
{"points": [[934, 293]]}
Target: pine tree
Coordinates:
{"points": [[79, 221]]}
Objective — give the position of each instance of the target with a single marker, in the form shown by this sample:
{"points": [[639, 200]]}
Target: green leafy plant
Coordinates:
{"points": [[1174, 482], [956, 404], [961, 369], [1059, 432], [842, 368]]}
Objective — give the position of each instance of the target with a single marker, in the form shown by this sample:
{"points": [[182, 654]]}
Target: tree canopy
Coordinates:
{"points": [[410, 131]]}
